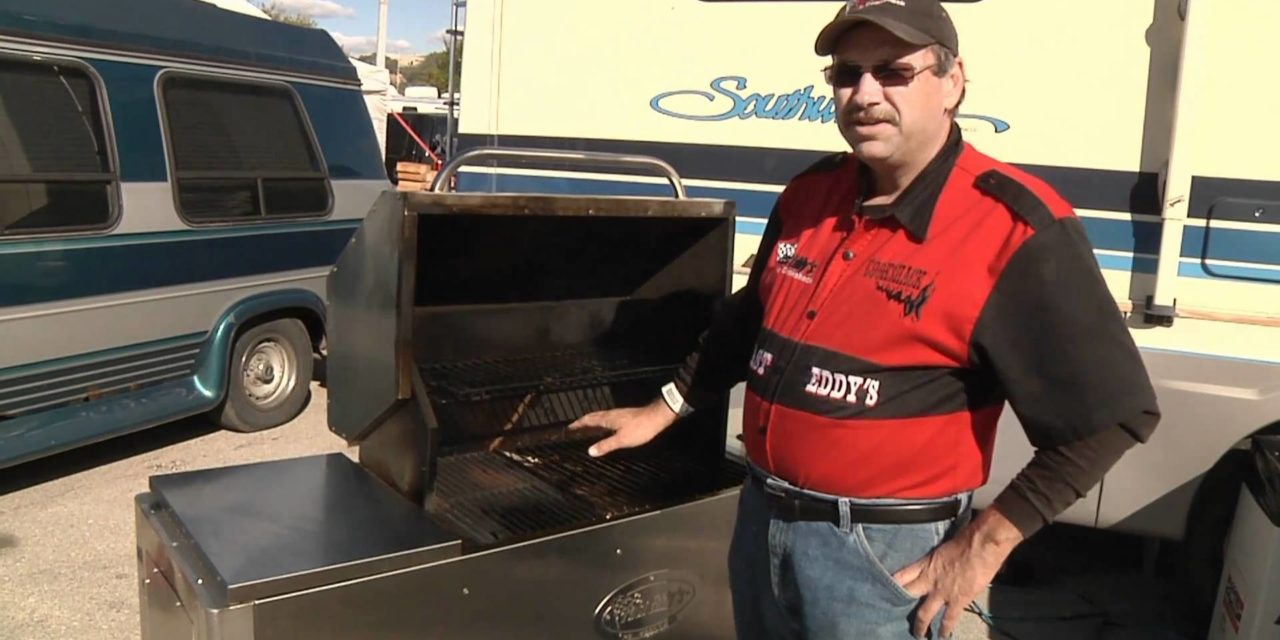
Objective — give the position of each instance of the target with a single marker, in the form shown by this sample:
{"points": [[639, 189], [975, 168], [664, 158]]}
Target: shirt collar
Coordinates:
{"points": [[914, 206]]}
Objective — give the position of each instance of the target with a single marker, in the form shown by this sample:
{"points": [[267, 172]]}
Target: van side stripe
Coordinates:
{"points": [[147, 261]]}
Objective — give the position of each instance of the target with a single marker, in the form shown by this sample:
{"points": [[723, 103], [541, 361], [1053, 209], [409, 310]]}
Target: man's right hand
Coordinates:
{"points": [[631, 427]]}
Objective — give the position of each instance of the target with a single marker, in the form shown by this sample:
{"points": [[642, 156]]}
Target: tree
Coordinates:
{"points": [[433, 70], [390, 63], [419, 73], [280, 13]]}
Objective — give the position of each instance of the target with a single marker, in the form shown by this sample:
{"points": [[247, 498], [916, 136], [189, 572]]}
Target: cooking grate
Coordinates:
{"points": [[477, 380], [488, 499], [503, 496], [500, 416]]}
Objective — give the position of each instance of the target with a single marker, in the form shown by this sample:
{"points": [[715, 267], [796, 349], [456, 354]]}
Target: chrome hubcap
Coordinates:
{"points": [[268, 373]]}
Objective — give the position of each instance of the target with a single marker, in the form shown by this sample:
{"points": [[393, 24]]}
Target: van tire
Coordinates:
{"points": [[269, 380]]}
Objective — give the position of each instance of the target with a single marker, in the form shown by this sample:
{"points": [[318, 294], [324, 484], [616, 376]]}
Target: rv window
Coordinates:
{"points": [[241, 151], [55, 168]]}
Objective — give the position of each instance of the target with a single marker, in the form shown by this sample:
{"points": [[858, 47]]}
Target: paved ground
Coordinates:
{"points": [[67, 568], [67, 560]]}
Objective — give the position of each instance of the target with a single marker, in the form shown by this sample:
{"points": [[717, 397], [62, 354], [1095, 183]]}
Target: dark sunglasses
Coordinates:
{"points": [[844, 75]]}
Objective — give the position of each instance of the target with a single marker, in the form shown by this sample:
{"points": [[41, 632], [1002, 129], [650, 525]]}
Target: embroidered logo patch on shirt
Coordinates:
{"points": [[794, 266], [902, 284]]}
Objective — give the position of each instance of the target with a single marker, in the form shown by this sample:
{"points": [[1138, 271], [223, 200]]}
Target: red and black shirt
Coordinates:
{"points": [[880, 344]]}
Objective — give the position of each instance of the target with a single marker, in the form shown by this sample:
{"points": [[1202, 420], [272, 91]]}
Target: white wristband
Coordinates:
{"points": [[675, 401]]}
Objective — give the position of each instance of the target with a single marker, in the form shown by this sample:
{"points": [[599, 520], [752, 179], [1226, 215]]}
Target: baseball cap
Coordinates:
{"points": [[921, 22]]}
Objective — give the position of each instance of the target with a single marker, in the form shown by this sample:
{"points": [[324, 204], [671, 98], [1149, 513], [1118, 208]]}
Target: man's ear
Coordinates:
{"points": [[953, 86]]}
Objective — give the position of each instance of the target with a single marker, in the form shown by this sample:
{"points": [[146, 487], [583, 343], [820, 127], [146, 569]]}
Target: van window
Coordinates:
{"points": [[241, 151], [55, 166]]}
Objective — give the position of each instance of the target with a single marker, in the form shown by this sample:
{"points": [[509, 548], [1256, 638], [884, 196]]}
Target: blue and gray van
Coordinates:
{"points": [[176, 180]]}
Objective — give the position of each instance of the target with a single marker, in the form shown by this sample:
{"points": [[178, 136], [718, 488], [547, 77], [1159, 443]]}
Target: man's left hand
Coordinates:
{"points": [[958, 570]]}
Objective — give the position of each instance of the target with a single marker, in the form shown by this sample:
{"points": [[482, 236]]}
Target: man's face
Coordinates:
{"points": [[893, 121]]}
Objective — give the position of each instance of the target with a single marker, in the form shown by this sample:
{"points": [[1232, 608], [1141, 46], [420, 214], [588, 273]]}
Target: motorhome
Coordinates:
{"points": [[1149, 117]]}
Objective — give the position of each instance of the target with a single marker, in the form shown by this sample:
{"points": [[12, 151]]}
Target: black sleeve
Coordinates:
{"points": [[1056, 478], [724, 350], [1058, 345]]}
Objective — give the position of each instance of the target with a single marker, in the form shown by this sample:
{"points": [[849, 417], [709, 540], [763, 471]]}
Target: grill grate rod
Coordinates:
{"points": [[500, 497], [495, 378], [489, 499]]}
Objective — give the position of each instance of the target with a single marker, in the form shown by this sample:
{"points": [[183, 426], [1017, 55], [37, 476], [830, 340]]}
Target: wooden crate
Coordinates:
{"points": [[413, 170], [414, 176], [413, 185]]}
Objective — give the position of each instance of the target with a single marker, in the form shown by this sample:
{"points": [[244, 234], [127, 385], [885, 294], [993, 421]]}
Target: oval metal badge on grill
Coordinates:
{"points": [[646, 606]]}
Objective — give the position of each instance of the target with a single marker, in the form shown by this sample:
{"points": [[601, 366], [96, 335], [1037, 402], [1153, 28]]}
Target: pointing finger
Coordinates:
{"points": [[606, 446]]}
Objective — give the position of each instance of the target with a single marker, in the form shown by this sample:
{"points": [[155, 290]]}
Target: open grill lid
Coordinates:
{"points": [[456, 320]]}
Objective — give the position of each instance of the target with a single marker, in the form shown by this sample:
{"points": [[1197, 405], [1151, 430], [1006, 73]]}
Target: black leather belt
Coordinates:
{"points": [[793, 507]]}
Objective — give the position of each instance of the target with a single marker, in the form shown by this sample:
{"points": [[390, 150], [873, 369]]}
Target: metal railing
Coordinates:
{"points": [[592, 158]]}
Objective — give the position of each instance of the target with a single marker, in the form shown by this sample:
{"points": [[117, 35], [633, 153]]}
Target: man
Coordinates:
{"points": [[901, 295]]}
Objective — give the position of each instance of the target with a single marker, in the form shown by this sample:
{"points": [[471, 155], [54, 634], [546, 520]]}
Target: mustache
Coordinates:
{"points": [[873, 115]]}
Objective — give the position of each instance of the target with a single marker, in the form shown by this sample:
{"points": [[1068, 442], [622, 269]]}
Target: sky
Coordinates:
{"points": [[413, 26]]}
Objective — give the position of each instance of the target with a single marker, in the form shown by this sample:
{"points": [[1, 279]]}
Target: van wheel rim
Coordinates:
{"points": [[269, 374]]}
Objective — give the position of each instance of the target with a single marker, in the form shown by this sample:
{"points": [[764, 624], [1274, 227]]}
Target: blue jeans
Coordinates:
{"points": [[822, 581]]}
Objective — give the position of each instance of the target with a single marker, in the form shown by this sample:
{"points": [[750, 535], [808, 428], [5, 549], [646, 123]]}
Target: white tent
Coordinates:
{"points": [[376, 85], [240, 6]]}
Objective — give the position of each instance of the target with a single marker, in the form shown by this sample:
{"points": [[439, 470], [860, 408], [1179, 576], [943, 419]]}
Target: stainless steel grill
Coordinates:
{"points": [[465, 333]]}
